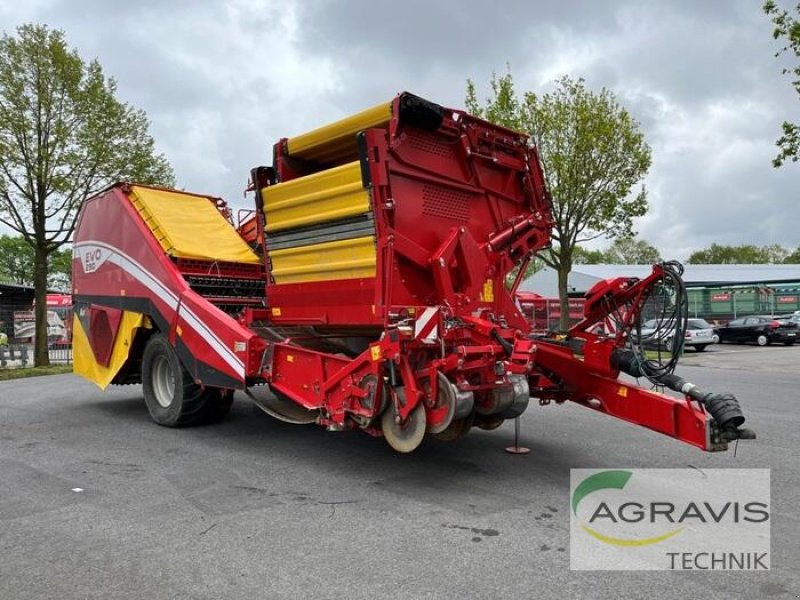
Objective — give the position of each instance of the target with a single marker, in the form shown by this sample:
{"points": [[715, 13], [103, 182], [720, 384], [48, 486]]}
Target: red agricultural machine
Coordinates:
{"points": [[368, 291]]}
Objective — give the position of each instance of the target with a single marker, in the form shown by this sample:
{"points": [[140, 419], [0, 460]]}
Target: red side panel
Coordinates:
{"points": [[103, 328], [120, 265]]}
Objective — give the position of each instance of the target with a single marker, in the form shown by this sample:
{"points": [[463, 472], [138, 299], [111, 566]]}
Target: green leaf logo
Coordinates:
{"points": [[616, 480], [599, 481]]}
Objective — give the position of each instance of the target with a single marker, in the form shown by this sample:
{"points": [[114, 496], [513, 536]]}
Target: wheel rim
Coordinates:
{"points": [[163, 381], [762, 340], [403, 437]]}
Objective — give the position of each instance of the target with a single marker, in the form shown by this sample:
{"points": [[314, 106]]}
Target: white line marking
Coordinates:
{"points": [[142, 275]]}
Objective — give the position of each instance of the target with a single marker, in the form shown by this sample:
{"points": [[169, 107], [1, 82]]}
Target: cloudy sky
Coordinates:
{"points": [[221, 81]]}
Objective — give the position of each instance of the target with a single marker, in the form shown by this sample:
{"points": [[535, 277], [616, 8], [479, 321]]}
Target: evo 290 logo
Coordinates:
{"points": [[641, 519], [92, 257]]}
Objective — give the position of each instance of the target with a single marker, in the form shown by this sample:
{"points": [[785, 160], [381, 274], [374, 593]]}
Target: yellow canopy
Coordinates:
{"points": [[189, 226], [337, 140], [325, 196]]}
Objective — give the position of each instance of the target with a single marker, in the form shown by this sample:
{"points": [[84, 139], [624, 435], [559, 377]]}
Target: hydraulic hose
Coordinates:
{"points": [[724, 408]]}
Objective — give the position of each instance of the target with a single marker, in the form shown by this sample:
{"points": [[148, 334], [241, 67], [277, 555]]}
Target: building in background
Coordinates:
{"points": [[13, 299], [716, 292], [17, 319]]}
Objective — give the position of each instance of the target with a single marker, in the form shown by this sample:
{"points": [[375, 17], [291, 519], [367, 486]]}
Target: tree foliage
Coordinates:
{"points": [[793, 258], [631, 251], [623, 251], [16, 260], [745, 254], [59, 270], [63, 136], [787, 30], [593, 154], [16, 264], [582, 256]]}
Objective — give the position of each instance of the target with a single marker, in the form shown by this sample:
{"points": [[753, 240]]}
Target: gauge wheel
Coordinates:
{"points": [[762, 340], [172, 397], [439, 416], [408, 435], [489, 422], [457, 429]]}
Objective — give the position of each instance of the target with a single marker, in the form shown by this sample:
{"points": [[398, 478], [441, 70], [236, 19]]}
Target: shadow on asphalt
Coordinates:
{"points": [[434, 469]]}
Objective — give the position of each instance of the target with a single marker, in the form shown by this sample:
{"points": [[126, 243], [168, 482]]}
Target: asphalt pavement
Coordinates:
{"points": [[98, 502]]}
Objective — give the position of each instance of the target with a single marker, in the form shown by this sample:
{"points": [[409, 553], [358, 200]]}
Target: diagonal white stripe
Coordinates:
{"points": [[142, 275], [424, 319]]}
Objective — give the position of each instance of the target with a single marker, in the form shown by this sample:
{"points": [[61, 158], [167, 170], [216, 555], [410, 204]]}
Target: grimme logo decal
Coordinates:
{"points": [[716, 519], [92, 257]]}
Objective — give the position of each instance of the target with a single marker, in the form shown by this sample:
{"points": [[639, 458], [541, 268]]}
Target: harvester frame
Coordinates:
{"points": [[371, 292]]}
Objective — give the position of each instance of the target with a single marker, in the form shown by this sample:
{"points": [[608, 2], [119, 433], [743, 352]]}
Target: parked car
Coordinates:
{"points": [[794, 318], [762, 330], [699, 334]]}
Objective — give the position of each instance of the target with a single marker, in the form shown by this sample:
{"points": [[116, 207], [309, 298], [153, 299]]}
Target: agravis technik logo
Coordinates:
{"points": [[717, 519]]}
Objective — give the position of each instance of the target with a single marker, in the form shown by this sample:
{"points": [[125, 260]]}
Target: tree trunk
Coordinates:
{"points": [[564, 268], [41, 356]]}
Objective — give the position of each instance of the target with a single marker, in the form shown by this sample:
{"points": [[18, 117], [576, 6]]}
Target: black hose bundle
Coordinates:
{"points": [[667, 307]]}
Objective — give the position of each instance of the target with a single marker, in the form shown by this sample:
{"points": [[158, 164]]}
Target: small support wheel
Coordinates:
{"points": [[489, 422], [405, 436], [440, 415], [457, 429], [375, 401]]}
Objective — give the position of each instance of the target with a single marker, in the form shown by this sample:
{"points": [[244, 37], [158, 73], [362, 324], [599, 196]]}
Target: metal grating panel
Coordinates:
{"points": [[446, 203], [427, 142]]}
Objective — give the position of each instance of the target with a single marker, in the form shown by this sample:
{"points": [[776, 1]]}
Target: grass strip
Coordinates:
{"points": [[7, 374]]}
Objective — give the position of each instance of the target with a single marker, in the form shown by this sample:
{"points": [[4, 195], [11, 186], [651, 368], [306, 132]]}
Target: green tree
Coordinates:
{"points": [[581, 256], [787, 30], [534, 266], [16, 264], [593, 153], [774, 254], [793, 258], [60, 270], [16, 260], [744, 254], [63, 136], [631, 251]]}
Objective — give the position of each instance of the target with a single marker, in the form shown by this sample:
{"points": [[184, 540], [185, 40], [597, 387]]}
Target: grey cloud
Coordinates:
{"points": [[221, 81]]}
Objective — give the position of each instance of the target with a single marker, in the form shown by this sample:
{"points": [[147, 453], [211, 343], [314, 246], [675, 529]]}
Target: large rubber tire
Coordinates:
{"points": [[217, 406], [762, 340], [172, 397]]}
